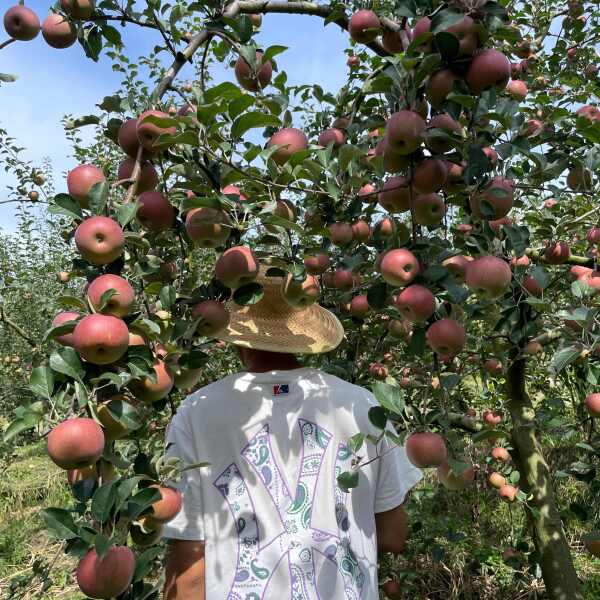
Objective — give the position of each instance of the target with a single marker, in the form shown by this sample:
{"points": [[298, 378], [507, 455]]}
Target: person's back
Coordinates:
{"points": [[267, 519], [268, 507]]}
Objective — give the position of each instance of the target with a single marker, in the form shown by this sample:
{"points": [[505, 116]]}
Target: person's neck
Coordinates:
{"points": [[279, 362]]}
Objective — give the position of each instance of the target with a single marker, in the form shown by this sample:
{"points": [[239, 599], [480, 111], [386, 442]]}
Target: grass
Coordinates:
{"points": [[29, 483], [455, 551]]}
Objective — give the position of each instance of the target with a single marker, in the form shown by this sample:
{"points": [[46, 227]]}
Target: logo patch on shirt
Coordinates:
{"points": [[280, 389]]}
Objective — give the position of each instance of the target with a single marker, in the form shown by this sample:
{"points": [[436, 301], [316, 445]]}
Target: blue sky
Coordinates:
{"points": [[53, 82]]}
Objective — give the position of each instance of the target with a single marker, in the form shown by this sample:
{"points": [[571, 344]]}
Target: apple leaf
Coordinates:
{"points": [[67, 362], [355, 443], [142, 501], [252, 120], [377, 417], [564, 357], [126, 213], [54, 332], [444, 19], [102, 545], [251, 293], [60, 523], [389, 396], [103, 501], [97, 197], [145, 562], [41, 382], [347, 480], [65, 205]]}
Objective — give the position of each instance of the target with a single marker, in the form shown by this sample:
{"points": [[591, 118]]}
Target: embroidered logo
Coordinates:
{"points": [[280, 389], [298, 541]]}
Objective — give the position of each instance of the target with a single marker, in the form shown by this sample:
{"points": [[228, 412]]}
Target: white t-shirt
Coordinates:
{"points": [[275, 523]]}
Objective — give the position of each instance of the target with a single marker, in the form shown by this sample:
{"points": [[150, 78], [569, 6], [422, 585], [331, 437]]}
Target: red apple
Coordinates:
{"points": [[399, 267], [100, 240], [208, 227], [454, 481], [592, 404], [557, 253], [300, 294], [429, 175], [579, 178], [517, 89], [332, 136], [317, 264], [491, 418], [75, 443], [395, 195], [497, 199], [148, 132], [532, 286], [66, 339], [500, 454], [416, 303], [106, 577], [341, 234], [439, 85], [446, 337], [467, 34], [457, 265], [58, 31], [167, 508], [149, 391], [404, 131], [438, 144], [489, 69], [101, 339], [81, 180], [342, 280], [508, 493], [378, 371], [128, 139], [364, 26], [236, 267], [251, 79], [359, 306], [290, 141], [215, 317], [21, 23], [147, 180], [78, 9], [155, 212], [426, 449], [496, 480], [429, 209], [118, 305], [361, 231], [489, 277]]}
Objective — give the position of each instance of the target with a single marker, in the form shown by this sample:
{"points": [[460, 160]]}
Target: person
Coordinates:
{"points": [[267, 518]]}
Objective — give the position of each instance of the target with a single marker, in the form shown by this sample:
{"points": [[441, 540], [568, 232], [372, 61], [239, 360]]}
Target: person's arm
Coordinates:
{"points": [[392, 530], [185, 571]]}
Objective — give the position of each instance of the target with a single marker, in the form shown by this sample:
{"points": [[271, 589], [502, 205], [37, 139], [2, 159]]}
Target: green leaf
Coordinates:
{"points": [[389, 396], [444, 19], [377, 295], [142, 501], [447, 45], [72, 302], [272, 52], [251, 293], [167, 297], [59, 523], [125, 489], [145, 562], [356, 442], [564, 357], [252, 120], [103, 501], [65, 205], [347, 480], [126, 212], [102, 545], [67, 362], [377, 417], [97, 197], [125, 414], [41, 382], [487, 434], [28, 420]]}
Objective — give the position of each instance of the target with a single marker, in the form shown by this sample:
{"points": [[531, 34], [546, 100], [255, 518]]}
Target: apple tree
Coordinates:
{"points": [[442, 203]]}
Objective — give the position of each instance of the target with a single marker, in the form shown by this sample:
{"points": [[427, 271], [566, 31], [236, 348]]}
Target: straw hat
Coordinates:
{"points": [[275, 325]]}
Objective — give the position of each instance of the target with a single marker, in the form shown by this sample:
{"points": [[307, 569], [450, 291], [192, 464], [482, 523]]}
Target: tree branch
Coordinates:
{"points": [[12, 325]]}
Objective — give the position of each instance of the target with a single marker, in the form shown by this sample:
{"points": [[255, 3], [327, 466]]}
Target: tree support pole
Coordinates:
{"points": [[558, 571]]}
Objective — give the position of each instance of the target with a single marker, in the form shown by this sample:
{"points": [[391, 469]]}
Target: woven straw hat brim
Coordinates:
{"points": [[274, 325]]}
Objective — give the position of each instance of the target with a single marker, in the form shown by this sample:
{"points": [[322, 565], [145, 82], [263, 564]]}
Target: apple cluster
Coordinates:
{"points": [[58, 30]]}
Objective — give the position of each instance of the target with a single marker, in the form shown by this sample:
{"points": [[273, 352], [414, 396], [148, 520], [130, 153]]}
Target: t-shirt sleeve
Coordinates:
{"points": [[397, 475], [189, 523]]}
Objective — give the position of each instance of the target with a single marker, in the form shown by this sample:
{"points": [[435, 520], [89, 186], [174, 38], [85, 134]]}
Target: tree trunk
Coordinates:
{"points": [[558, 571]]}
